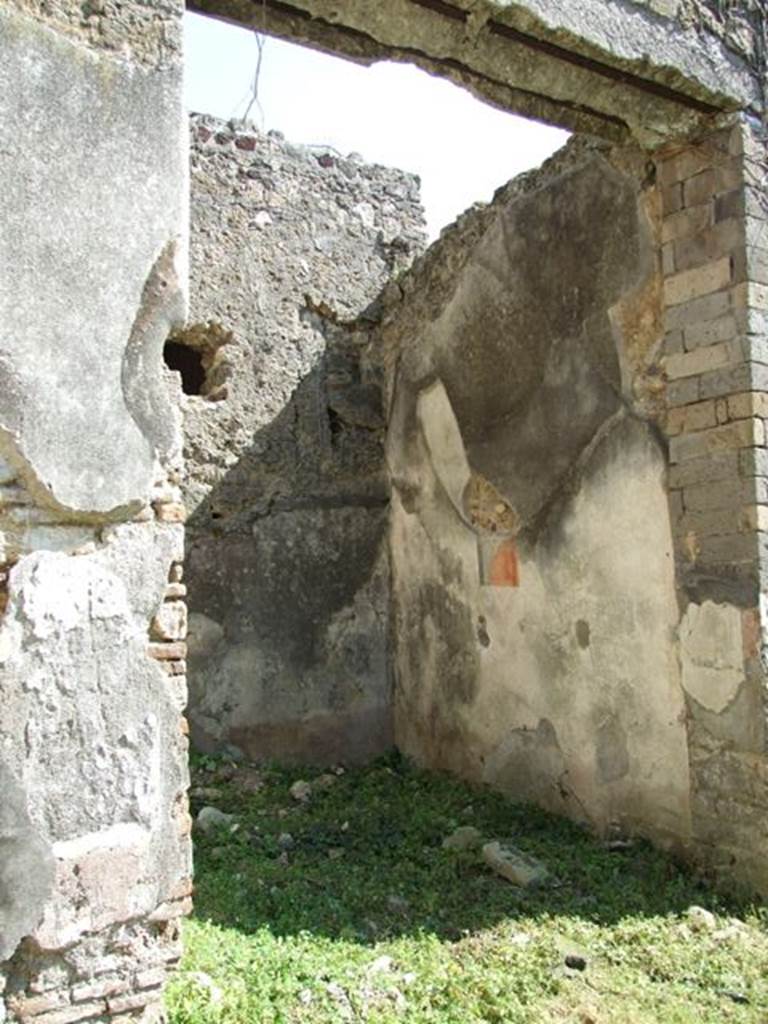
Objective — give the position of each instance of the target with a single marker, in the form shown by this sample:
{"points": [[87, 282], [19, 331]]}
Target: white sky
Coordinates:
{"points": [[392, 114]]}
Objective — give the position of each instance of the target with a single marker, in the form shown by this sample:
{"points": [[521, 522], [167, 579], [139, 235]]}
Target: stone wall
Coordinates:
{"points": [[577, 496], [94, 833], [285, 487]]}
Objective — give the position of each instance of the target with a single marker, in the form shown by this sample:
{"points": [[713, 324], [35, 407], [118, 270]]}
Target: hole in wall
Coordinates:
{"points": [[202, 354], [189, 363]]}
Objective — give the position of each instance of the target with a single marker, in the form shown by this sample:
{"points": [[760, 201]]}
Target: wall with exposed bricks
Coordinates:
{"points": [[576, 447], [714, 235], [95, 865]]}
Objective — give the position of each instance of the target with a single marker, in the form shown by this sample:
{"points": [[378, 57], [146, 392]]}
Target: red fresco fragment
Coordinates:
{"points": [[505, 571], [750, 630]]}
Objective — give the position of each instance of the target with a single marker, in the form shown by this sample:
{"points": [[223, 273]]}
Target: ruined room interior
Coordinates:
{"points": [[312, 490]]}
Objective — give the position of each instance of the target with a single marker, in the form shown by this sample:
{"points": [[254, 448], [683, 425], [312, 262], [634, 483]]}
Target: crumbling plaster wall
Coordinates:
{"points": [[575, 618], [287, 569], [94, 838], [532, 550]]}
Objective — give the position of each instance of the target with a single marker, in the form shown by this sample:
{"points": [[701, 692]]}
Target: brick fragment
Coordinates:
{"points": [[689, 418], [181, 888], [724, 382], [708, 245], [710, 332], [72, 1014], [730, 204], [98, 989], [672, 199], [703, 280], [172, 910], [756, 231], [685, 223], [170, 622], [749, 403], [683, 391], [757, 264], [760, 484], [698, 310], [675, 499], [726, 494], [31, 1006], [700, 188], [750, 294], [170, 511], [134, 1000], [728, 175], [728, 549], [708, 469], [153, 977], [753, 462], [176, 651], [754, 192], [712, 522], [753, 323], [174, 668], [755, 517], [673, 342], [684, 164], [741, 434], [702, 360], [245, 142]]}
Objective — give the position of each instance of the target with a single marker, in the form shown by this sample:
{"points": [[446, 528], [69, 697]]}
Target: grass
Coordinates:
{"points": [[361, 915]]}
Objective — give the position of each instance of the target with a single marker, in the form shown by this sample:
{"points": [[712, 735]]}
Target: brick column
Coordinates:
{"points": [[716, 353]]}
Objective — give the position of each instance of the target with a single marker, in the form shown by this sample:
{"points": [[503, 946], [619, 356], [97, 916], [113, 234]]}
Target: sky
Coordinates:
{"points": [[393, 114]]}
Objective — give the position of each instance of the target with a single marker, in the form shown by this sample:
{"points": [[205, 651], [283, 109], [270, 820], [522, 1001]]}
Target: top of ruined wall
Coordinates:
{"points": [[288, 244], [286, 571]]}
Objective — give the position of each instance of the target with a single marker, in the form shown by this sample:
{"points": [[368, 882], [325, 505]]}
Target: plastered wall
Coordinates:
{"points": [[566, 628]]}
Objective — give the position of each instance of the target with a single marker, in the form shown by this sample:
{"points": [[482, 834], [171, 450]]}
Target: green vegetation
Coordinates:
{"points": [[346, 907]]}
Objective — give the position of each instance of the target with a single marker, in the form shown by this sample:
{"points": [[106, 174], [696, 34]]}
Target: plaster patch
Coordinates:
{"points": [[64, 593], [101, 878], [711, 654]]}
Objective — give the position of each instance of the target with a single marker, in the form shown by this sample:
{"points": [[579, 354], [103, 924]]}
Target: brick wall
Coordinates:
{"points": [[715, 261]]}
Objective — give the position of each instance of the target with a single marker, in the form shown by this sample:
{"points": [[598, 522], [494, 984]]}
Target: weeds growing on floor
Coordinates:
{"points": [[346, 907]]}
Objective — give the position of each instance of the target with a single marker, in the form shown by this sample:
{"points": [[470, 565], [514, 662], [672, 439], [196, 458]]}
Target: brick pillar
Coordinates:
{"points": [[715, 263]]}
